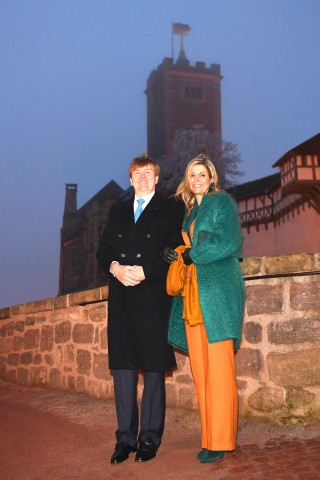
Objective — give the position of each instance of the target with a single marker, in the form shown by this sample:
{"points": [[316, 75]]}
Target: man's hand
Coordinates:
{"points": [[128, 275], [139, 272]]}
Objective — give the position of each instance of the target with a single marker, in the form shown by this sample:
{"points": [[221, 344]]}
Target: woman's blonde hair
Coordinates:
{"points": [[183, 190]]}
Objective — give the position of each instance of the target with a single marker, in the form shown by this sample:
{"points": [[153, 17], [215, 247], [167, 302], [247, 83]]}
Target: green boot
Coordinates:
{"points": [[201, 453], [211, 456]]}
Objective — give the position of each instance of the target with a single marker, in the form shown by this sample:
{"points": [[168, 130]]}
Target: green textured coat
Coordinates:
{"points": [[216, 250]]}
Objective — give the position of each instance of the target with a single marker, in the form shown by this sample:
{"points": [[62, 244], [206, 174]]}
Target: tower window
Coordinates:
{"points": [[192, 92]]}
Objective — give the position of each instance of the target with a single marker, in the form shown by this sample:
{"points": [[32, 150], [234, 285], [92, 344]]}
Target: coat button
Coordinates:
{"points": [[119, 235], [138, 255], [148, 235], [122, 255]]}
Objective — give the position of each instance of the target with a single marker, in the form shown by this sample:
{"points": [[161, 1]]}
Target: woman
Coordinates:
{"points": [[213, 247]]}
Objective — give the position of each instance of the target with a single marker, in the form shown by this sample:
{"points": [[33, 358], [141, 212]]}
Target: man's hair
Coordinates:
{"points": [[143, 161]]}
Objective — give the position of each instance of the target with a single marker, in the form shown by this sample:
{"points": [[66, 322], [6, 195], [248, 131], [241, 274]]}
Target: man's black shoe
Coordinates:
{"points": [[146, 451], [121, 452]]}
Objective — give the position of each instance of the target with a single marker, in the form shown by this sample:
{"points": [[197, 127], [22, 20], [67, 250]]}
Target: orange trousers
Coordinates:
{"points": [[213, 370]]}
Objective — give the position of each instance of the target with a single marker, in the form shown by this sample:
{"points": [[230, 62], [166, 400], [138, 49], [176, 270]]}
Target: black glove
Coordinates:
{"points": [[186, 257], [169, 255]]}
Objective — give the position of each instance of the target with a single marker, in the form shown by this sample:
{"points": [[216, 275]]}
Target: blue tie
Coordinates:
{"points": [[138, 211]]}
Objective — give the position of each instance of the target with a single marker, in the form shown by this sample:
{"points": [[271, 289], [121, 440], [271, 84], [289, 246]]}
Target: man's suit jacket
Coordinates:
{"points": [[138, 316]]}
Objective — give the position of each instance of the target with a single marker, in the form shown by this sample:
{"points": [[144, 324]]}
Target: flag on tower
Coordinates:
{"points": [[180, 29]]}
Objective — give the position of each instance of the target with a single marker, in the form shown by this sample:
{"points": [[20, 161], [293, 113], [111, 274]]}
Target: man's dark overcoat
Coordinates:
{"points": [[138, 316]]}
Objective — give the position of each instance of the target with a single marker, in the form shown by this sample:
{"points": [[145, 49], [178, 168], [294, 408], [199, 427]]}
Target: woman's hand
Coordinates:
{"points": [[169, 255], [186, 257]]}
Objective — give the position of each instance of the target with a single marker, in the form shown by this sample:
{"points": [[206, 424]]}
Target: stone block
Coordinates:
{"points": [[103, 339], [96, 336], [3, 364], [183, 379], [297, 397], [19, 326], [38, 375], [55, 378], [104, 292], [294, 331], [3, 331], [249, 363], [262, 299], [37, 359], [46, 338], [94, 389], [48, 359], [40, 306], [241, 384], [305, 296], [251, 266], [60, 302], [98, 313], [13, 359], [83, 362], [18, 309], [80, 384], [23, 376], [83, 333], [30, 321], [71, 384], [267, 399], [11, 376], [182, 359], [6, 345], [85, 297], [302, 262], [187, 398], [5, 313], [252, 332], [295, 369], [31, 339], [100, 366], [10, 328], [69, 353], [62, 332], [17, 344], [26, 358]]}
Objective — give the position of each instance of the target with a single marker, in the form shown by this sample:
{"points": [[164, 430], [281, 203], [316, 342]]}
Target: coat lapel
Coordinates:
{"points": [[146, 216]]}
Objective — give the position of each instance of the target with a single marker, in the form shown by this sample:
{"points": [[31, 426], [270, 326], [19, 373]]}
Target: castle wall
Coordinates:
{"points": [[61, 343]]}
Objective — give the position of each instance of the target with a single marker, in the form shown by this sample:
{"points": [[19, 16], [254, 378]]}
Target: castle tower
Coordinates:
{"points": [[179, 96]]}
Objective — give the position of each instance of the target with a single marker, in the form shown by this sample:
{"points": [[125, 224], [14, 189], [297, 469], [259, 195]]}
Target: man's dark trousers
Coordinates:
{"points": [[152, 406]]}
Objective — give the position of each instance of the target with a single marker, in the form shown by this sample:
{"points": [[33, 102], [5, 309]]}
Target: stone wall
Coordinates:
{"points": [[61, 343]]}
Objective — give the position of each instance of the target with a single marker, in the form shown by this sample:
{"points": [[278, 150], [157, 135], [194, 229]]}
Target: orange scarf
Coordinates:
{"points": [[182, 279]]}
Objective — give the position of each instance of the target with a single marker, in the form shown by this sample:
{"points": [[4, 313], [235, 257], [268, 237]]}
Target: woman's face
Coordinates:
{"points": [[199, 180]]}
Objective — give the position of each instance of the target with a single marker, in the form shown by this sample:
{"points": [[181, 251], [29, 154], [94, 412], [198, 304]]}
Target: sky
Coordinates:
{"points": [[73, 108]]}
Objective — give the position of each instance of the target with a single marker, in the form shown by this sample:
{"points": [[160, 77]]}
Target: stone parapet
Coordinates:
{"points": [[61, 343]]}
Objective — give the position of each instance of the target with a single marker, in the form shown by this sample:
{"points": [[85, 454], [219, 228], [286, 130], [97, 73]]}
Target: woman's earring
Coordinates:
{"points": [[211, 187]]}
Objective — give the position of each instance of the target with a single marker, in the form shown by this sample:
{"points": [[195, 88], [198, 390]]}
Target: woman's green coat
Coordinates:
{"points": [[216, 251]]}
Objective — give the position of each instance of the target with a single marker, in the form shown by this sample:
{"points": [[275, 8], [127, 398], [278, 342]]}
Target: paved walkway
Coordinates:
{"points": [[52, 435]]}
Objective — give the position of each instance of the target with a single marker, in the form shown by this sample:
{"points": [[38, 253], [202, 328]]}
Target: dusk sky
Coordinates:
{"points": [[73, 108]]}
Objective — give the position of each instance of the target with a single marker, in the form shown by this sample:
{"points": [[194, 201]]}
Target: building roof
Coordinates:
{"points": [[111, 191], [261, 186], [309, 147]]}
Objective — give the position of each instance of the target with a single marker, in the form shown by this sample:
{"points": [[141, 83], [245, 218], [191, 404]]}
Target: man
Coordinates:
{"points": [[131, 253]]}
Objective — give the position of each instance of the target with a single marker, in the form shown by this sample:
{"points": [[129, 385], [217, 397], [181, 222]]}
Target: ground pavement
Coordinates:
{"points": [[53, 435]]}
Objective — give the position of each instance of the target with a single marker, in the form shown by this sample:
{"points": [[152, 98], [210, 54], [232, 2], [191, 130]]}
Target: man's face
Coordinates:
{"points": [[144, 180]]}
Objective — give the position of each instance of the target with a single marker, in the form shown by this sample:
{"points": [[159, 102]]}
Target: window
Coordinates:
{"points": [[192, 92]]}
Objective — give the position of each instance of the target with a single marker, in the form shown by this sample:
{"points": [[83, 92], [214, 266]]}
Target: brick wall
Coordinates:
{"points": [[61, 343]]}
